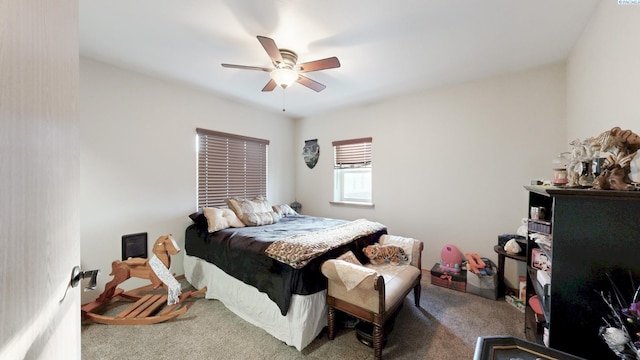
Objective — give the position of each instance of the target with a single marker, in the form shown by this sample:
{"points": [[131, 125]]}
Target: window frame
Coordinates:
{"points": [[352, 156]]}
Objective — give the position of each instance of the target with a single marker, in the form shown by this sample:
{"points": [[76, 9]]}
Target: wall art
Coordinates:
{"points": [[311, 152]]}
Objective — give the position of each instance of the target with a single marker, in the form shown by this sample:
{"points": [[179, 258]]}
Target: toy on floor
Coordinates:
{"points": [[146, 309], [451, 259], [476, 265]]}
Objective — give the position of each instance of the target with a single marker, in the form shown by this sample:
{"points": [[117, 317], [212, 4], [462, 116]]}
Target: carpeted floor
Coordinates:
{"points": [[445, 327]]}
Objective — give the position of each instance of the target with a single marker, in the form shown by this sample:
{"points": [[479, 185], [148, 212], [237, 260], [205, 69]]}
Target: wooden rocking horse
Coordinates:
{"points": [[145, 309]]}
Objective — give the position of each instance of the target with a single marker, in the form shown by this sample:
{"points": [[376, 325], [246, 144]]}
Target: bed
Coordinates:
{"points": [[252, 271]]}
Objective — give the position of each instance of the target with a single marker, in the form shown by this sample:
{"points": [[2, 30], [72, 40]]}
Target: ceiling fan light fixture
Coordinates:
{"points": [[286, 70], [284, 77]]}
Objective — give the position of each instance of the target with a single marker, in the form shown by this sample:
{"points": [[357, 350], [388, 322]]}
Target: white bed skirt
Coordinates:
{"points": [[307, 314]]}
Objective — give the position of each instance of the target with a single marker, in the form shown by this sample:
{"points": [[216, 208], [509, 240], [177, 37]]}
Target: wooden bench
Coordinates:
{"points": [[377, 297]]}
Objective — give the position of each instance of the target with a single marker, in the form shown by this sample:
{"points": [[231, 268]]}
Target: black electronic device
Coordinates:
{"points": [[134, 246]]}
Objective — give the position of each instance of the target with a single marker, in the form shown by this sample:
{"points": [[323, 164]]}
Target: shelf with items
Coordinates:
{"points": [[539, 257], [544, 243], [542, 291], [537, 321], [540, 226], [592, 233], [534, 326]]}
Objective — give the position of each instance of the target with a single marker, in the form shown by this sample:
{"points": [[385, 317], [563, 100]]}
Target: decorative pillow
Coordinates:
{"points": [[262, 203], [218, 219], [260, 218], [199, 219], [241, 206], [232, 218], [349, 256], [284, 210], [253, 212]]}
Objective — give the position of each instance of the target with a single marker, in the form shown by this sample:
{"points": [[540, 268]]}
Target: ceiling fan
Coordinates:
{"points": [[285, 70]]}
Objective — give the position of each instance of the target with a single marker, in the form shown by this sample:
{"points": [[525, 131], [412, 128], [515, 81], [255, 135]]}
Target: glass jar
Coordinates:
{"points": [[560, 176]]}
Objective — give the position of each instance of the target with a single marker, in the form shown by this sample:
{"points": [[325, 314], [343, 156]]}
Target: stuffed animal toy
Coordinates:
{"points": [[378, 254], [512, 247]]}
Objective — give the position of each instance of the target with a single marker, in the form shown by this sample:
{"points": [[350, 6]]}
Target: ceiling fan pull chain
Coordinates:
{"points": [[283, 99]]}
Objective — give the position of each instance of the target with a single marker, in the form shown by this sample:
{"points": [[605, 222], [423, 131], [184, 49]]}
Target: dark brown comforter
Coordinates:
{"points": [[240, 252]]}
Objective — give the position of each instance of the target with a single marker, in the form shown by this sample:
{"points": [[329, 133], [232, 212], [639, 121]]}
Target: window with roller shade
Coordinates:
{"points": [[352, 171], [230, 166]]}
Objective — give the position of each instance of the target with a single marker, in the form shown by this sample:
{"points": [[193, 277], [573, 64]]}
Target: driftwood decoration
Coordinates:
{"points": [[622, 146]]}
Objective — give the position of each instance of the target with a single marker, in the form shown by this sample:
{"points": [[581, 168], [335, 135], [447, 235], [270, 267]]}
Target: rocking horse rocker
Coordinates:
{"points": [[146, 309]]}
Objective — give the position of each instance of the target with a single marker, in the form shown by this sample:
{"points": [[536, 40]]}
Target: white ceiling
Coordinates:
{"points": [[386, 48]]}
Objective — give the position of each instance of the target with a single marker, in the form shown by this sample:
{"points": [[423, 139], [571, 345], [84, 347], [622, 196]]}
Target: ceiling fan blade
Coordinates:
{"points": [[328, 63], [272, 49], [311, 84], [247, 67], [270, 86]]}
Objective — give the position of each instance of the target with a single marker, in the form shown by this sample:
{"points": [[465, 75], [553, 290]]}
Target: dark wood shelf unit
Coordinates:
{"points": [[533, 329], [500, 251], [502, 255], [595, 235]]}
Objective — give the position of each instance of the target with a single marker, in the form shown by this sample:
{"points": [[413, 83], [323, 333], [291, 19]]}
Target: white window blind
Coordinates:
{"points": [[230, 166], [352, 153]]}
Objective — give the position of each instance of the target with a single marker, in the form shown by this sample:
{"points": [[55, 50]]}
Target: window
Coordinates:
{"points": [[230, 166], [352, 171]]}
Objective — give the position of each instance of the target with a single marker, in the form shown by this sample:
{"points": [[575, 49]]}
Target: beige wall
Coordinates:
{"points": [[448, 165], [138, 161], [603, 73]]}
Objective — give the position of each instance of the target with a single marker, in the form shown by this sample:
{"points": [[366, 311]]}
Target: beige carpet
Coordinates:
{"points": [[445, 327]]}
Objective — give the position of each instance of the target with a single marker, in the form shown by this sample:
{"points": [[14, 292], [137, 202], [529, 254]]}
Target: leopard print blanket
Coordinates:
{"points": [[298, 250]]}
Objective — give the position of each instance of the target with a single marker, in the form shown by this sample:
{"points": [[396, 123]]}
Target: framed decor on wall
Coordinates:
{"points": [[311, 152]]}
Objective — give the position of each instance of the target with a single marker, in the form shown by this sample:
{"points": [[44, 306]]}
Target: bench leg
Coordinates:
{"points": [[331, 322], [378, 335], [416, 294]]}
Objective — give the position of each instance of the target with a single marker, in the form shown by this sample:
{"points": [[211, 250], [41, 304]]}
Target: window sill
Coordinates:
{"points": [[356, 204]]}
